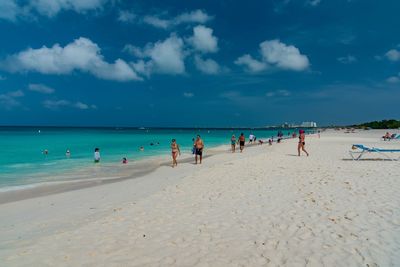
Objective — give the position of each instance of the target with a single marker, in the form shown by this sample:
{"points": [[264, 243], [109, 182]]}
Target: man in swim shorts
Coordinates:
{"points": [[199, 148], [242, 141]]}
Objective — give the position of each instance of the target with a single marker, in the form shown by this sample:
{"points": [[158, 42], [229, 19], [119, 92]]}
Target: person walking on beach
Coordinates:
{"points": [[233, 143], [199, 148], [175, 150], [96, 155], [302, 143], [242, 141]]}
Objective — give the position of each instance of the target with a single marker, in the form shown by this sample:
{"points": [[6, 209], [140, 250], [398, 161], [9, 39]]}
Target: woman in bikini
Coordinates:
{"points": [[233, 143], [175, 150], [302, 143]]}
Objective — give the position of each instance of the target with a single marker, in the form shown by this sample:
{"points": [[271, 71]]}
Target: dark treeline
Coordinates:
{"points": [[384, 124]]}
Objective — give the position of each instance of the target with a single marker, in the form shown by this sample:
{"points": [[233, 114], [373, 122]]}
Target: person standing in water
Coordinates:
{"points": [[96, 155], [233, 143], [199, 148], [242, 141], [302, 143], [175, 150], [68, 153]]}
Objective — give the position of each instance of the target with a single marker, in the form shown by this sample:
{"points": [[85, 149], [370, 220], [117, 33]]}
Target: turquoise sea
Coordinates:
{"points": [[22, 161]]}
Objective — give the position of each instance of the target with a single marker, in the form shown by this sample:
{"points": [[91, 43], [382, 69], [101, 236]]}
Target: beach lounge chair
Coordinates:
{"points": [[361, 150]]}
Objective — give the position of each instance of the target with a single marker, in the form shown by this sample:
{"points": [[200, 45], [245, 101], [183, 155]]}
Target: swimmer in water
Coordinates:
{"points": [[141, 148], [68, 153]]}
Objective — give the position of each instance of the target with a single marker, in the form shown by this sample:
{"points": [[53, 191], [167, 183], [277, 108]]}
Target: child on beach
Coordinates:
{"points": [[124, 161], [233, 143], [96, 155], [175, 150]]}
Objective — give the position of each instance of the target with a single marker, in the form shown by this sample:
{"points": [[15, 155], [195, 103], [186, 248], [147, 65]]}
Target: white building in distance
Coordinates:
{"points": [[309, 124]]}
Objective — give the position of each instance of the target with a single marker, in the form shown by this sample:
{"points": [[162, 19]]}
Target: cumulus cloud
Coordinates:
{"points": [[11, 9], [347, 59], [277, 54], [203, 40], [393, 55], [196, 16], [40, 88], [250, 63], [283, 56], [58, 104], [165, 56], [207, 66], [82, 54], [9, 100]]}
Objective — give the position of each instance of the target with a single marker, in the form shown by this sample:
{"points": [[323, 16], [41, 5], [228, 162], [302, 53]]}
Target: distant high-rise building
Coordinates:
{"points": [[309, 124]]}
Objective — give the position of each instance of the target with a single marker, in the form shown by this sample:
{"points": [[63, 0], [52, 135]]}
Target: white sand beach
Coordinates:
{"points": [[264, 207]]}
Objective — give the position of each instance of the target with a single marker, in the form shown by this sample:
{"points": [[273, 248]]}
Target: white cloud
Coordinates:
{"points": [[203, 39], [393, 79], [283, 56], [162, 57], [51, 8], [278, 54], [40, 88], [82, 54], [17, 93], [57, 104], [250, 63], [12, 9], [313, 2], [8, 100], [393, 55], [9, 10], [188, 94], [126, 16], [347, 59], [196, 16], [134, 50], [278, 93], [157, 22], [207, 66]]}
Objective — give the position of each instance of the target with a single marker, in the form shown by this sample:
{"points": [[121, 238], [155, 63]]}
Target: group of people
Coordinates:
{"points": [[388, 136], [197, 150], [198, 147]]}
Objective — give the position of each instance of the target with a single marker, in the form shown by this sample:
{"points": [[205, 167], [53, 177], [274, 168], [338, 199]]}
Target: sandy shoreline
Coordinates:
{"points": [[265, 207]]}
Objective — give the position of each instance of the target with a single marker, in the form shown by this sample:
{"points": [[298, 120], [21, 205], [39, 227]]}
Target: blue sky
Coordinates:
{"points": [[198, 63]]}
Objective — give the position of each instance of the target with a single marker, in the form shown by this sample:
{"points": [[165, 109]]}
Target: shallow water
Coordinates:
{"points": [[22, 161]]}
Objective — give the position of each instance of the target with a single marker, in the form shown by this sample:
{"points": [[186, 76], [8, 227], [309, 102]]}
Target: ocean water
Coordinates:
{"points": [[22, 161]]}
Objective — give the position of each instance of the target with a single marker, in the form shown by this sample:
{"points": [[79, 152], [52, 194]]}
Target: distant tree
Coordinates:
{"points": [[384, 124]]}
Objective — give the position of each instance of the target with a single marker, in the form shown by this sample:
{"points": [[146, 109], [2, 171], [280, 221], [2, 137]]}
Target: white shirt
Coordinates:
{"points": [[97, 155]]}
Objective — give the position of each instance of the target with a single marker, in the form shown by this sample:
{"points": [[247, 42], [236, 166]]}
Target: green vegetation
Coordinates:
{"points": [[384, 124]]}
